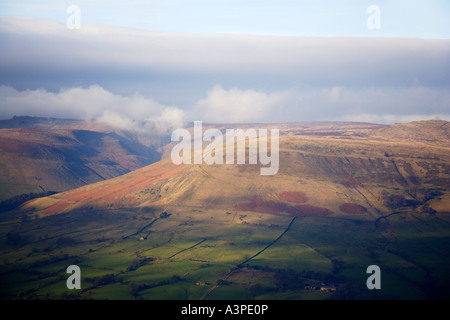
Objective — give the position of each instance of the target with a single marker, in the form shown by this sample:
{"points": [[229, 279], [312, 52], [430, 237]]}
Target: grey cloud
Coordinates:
{"points": [[34, 43], [379, 105], [264, 78]]}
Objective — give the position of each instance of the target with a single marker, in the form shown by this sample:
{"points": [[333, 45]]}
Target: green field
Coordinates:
{"points": [[217, 258]]}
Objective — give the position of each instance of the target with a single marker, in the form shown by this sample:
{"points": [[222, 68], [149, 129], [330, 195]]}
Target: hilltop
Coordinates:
{"points": [[431, 131]]}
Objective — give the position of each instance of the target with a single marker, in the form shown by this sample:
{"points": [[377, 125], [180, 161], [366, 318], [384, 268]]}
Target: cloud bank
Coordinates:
{"points": [[136, 113], [378, 105], [233, 105], [127, 76]]}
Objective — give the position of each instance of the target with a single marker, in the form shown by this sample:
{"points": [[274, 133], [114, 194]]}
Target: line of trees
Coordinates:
{"points": [[420, 197], [20, 199]]}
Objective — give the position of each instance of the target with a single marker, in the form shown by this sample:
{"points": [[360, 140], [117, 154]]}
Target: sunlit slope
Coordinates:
{"points": [[348, 172], [152, 185]]}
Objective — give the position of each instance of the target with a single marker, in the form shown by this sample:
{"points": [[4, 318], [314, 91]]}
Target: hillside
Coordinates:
{"points": [[345, 163], [46, 154], [346, 196]]}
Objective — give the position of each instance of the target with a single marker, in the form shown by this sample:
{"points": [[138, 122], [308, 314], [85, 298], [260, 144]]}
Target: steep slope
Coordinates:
{"points": [[58, 155], [156, 184]]}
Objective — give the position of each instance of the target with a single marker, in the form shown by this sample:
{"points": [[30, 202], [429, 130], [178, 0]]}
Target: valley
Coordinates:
{"points": [[346, 196], [39, 155]]}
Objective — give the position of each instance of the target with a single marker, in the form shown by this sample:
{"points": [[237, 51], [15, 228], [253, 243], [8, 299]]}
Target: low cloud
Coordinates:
{"points": [[235, 105], [171, 118], [135, 112], [392, 118], [388, 105], [338, 103]]}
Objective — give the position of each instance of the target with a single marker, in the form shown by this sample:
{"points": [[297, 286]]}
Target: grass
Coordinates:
{"points": [[230, 292], [110, 292], [207, 273], [156, 273], [167, 292], [292, 256], [413, 257]]}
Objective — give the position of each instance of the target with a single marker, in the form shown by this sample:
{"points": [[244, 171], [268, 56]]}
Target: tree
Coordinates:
{"points": [[164, 214], [393, 201]]}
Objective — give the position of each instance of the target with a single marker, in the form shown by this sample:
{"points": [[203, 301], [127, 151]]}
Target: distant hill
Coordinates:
{"points": [[48, 154], [432, 131], [28, 122]]}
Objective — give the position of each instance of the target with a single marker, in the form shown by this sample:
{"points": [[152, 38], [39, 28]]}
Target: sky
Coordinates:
{"points": [[168, 62]]}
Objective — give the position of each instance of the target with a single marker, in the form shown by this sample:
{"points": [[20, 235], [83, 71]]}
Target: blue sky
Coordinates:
{"points": [[399, 18]]}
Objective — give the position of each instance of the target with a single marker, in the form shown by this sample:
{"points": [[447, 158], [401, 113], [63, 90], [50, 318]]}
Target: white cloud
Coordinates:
{"points": [[378, 105], [93, 103], [75, 102], [171, 118], [116, 120], [338, 103], [335, 94], [235, 105]]}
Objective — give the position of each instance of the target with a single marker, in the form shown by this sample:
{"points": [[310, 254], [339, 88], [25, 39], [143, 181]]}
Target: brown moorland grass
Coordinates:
{"points": [[293, 196], [309, 210], [57, 207], [352, 208], [103, 195], [11, 145], [350, 181]]}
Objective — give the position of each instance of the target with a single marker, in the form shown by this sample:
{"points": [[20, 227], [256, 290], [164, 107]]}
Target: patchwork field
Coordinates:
{"points": [[219, 258]]}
